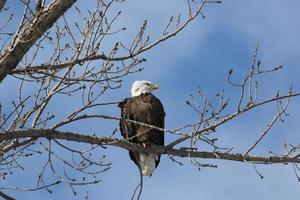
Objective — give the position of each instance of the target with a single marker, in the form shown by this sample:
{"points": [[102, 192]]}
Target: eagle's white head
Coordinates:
{"points": [[141, 87]]}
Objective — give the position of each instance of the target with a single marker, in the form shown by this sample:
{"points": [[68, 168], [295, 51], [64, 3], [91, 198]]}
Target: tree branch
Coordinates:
{"points": [[38, 25], [84, 138], [104, 57], [5, 196], [2, 4]]}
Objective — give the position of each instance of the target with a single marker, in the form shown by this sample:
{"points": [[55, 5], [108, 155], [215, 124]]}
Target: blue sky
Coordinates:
{"points": [[201, 55]]}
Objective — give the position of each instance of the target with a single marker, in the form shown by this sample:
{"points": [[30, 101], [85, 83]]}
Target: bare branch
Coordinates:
{"points": [[38, 25], [5, 196], [270, 125], [85, 138], [2, 4]]}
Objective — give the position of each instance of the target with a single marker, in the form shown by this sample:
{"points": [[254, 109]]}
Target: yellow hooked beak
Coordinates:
{"points": [[154, 86]]}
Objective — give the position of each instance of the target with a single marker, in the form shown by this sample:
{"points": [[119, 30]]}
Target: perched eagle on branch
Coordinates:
{"points": [[146, 108]]}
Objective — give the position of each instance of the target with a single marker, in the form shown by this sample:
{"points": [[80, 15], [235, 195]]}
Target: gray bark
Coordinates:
{"points": [[2, 3], [41, 22], [86, 138]]}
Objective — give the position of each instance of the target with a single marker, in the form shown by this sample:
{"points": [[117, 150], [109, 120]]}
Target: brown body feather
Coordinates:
{"points": [[145, 108]]}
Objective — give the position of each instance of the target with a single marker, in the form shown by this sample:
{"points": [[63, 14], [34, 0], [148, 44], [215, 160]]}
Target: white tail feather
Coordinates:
{"points": [[147, 163]]}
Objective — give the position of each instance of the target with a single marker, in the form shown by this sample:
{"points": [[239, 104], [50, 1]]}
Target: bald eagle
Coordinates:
{"points": [[146, 108]]}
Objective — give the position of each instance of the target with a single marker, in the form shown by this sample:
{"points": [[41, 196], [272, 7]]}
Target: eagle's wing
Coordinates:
{"points": [[128, 129]]}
